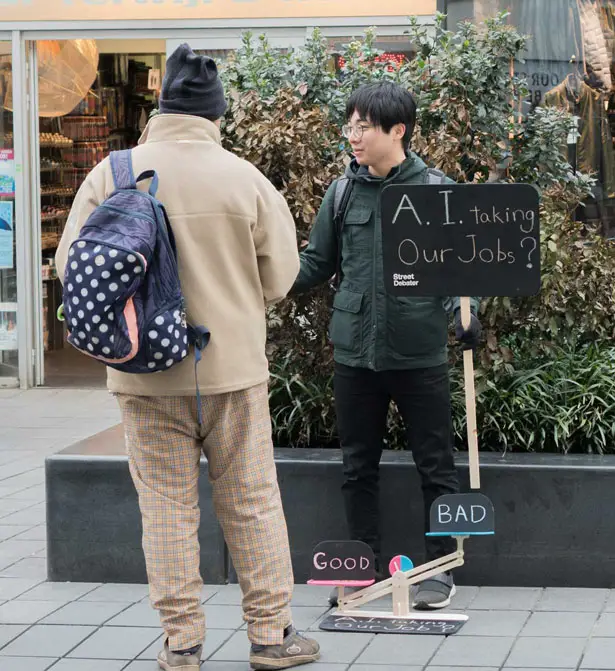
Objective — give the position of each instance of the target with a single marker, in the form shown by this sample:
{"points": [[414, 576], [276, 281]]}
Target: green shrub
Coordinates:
{"points": [[302, 407], [563, 404], [540, 382], [576, 304]]}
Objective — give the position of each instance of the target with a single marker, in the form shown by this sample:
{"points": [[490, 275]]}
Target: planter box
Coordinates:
{"points": [[553, 517], [93, 518], [554, 523]]}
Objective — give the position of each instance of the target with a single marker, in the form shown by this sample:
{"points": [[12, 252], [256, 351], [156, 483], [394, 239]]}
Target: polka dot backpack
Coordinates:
{"points": [[122, 296]]}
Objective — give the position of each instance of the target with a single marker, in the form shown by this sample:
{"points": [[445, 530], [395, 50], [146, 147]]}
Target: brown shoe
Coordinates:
{"points": [[294, 651], [169, 660]]}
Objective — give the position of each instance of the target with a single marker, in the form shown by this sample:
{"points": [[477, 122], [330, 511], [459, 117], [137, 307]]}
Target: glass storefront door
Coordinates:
{"points": [[9, 322], [93, 96]]}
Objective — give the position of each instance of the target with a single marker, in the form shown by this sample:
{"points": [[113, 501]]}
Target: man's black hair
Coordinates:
{"points": [[384, 104]]}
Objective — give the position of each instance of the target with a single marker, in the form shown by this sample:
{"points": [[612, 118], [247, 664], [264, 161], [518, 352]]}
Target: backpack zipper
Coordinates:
{"points": [[138, 215], [114, 246]]}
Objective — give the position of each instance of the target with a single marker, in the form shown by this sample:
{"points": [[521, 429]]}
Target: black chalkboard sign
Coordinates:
{"points": [[443, 625], [461, 240], [461, 515], [343, 563]]}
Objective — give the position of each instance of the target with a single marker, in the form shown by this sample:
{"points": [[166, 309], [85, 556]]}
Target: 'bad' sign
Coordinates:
{"points": [[461, 240], [461, 515]]}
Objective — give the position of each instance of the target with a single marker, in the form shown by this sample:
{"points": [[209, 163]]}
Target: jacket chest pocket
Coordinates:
{"points": [[357, 232], [346, 323]]}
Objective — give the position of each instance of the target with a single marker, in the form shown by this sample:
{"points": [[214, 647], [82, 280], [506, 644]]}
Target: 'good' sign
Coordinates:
{"points": [[343, 561]]}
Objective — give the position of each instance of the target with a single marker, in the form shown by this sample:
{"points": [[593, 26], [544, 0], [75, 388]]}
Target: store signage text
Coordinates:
{"points": [[95, 10]]}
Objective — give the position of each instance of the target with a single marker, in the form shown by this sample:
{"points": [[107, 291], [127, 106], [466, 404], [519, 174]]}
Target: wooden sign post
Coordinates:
{"points": [[470, 393]]}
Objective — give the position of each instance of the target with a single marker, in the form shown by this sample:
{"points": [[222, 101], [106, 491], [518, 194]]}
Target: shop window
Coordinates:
{"points": [[111, 115], [8, 255], [570, 64]]}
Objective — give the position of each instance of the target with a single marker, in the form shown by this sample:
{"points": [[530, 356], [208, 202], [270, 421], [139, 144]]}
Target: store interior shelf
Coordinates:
{"points": [[48, 244], [54, 217], [110, 117], [63, 193]]}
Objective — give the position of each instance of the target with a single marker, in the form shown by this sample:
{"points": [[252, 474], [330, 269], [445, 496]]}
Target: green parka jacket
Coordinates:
{"points": [[370, 328]]}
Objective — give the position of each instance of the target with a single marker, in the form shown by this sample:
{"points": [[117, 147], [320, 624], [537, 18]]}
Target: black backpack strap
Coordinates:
{"points": [[199, 336], [343, 190], [121, 167]]}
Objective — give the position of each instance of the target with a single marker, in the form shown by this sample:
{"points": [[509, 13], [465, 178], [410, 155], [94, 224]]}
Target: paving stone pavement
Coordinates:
{"points": [[93, 627]]}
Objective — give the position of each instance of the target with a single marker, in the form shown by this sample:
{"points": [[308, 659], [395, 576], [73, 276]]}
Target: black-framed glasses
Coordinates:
{"points": [[347, 131]]}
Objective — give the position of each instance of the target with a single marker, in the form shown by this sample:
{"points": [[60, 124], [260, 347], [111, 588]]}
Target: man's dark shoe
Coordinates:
{"points": [[435, 592], [333, 597], [294, 651]]}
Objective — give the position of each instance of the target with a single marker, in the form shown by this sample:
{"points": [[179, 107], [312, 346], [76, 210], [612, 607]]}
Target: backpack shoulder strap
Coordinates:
{"points": [[341, 189], [121, 167], [433, 176]]}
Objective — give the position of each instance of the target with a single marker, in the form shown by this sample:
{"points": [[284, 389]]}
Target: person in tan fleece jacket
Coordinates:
{"points": [[237, 253]]}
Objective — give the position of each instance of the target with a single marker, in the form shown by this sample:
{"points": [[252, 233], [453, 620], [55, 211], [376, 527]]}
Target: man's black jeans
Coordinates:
{"points": [[362, 399]]}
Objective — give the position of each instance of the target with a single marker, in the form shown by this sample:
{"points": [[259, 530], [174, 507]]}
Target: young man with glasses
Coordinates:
{"points": [[385, 348]]}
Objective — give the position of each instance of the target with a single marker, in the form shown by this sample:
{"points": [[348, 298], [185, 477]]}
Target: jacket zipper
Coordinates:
{"points": [[374, 320]]}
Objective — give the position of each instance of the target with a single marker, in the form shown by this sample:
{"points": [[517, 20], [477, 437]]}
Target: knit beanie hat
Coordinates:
{"points": [[191, 86]]}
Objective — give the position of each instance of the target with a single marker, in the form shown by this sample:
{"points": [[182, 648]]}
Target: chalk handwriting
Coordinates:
{"points": [[475, 515], [410, 253], [525, 218], [406, 204], [394, 625], [321, 562]]}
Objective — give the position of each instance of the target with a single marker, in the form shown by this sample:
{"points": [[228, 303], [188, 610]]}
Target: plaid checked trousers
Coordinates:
{"points": [[164, 444]]}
